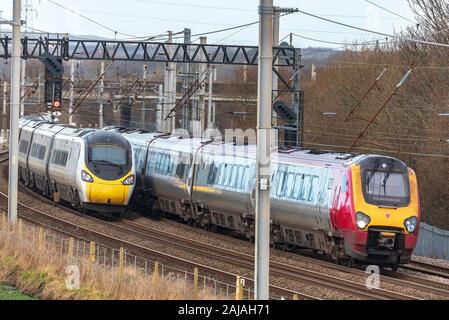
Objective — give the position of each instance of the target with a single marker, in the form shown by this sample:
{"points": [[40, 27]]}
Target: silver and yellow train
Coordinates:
{"points": [[87, 168]]}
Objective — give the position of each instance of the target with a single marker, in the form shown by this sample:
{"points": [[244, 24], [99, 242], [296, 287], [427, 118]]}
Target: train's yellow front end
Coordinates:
{"points": [[385, 212], [108, 174]]}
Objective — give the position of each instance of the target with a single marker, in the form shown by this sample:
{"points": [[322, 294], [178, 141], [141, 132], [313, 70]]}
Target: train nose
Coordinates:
{"points": [[108, 193]]}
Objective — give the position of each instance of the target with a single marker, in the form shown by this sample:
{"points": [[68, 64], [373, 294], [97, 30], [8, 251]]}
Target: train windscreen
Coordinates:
{"points": [[108, 155], [386, 188]]}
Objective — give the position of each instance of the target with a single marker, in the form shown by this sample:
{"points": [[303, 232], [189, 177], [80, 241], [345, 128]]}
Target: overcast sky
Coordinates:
{"points": [[151, 17]]}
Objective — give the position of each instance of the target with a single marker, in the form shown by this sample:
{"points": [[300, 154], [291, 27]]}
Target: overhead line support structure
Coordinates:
{"points": [[67, 49]]}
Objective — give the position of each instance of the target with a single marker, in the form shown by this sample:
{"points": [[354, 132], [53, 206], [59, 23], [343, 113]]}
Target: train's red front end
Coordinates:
{"points": [[378, 212]]}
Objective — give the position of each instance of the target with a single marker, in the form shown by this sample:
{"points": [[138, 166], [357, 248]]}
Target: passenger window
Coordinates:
{"points": [[281, 184], [23, 148], [313, 189], [228, 173], [240, 177], [235, 170], [60, 157], [222, 174], [180, 170], [305, 188], [330, 183], [344, 184], [211, 175], [298, 185], [289, 185], [38, 151]]}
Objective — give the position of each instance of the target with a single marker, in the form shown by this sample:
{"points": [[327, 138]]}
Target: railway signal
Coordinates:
{"points": [[53, 81]]}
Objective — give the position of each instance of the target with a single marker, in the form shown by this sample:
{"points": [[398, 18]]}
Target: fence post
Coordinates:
{"points": [[41, 238], [238, 288], [3, 222], [71, 245], [195, 283], [92, 252], [20, 228], [156, 273], [295, 296], [121, 259]]}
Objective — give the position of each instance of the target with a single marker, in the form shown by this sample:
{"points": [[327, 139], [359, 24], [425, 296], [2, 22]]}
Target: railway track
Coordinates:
{"points": [[237, 258], [234, 258], [242, 260], [427, 268], [395, 278], [280, 292], [4, 156], [276, 268], [28, 213]]}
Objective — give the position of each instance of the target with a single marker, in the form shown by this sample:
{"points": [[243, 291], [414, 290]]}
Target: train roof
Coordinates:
{"points": [[229, 149], [45, 126], [294, 155]]}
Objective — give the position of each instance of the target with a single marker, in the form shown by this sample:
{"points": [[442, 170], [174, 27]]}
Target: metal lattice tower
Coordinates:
{"points": [[29, 13]]}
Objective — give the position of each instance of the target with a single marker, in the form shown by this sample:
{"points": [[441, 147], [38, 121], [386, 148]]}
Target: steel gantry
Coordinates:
{"points": [[67, 49], [168, 52]]}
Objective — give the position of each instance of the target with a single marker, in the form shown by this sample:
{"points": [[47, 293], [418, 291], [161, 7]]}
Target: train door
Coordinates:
{"points": [[324, 194], [320, 194], [72, 163]]}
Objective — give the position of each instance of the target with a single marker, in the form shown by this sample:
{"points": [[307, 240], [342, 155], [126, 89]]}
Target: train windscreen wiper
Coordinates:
{"points": [[373, 172], [106, 162], [387, 175]]}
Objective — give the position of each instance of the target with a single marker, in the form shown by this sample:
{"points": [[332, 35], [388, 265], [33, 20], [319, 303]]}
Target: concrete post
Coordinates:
{"points": [[5, 98], [22, 86], [14, 112], [169, 90], [201, 106], [276, 22], [264, 90], [210, 115], [144, 80], [186, 112], [72, 80], [101, 89], [160, 109], [39, 88]]}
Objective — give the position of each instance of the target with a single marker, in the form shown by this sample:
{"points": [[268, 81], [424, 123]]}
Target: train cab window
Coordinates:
{"points": [[59, 157], [23, 148], [386, 188], [108, 154], [38, 151]]}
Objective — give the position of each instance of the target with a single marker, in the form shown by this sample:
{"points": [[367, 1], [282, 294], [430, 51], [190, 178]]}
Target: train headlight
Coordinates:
{"points": [[410, 224], [86, 177], [362, 220], [129, 180]]}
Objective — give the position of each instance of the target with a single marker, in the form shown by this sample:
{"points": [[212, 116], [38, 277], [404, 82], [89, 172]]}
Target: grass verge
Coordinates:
{"points": [[42, 270]]}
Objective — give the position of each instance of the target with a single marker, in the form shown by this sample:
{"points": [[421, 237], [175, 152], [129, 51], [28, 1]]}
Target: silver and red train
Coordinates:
{"points": [[360, 208]]}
